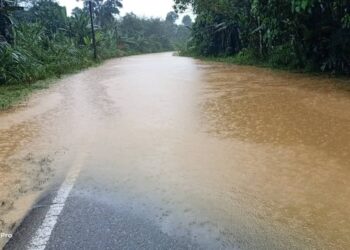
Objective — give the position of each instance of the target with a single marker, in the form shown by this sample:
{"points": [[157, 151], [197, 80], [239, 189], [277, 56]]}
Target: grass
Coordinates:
{"points": [[11, 95]]}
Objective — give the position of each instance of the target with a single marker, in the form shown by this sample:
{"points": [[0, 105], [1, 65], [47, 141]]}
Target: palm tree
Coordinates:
{"points": [[104, 10]]}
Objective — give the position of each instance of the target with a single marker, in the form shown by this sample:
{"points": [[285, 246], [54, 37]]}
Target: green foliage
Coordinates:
{"points": [[36, 57], [14, 93], [187, 21], [283, 56], [47, 13], [245, 56], [13, 62], [150, 35], [312, 34], [171, 17], [79, 26], [6, 23], [104, 11], [49, 43]]}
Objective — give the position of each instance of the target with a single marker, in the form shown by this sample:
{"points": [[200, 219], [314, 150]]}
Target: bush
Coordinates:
{"points": [[283, 56], [246, 56]]}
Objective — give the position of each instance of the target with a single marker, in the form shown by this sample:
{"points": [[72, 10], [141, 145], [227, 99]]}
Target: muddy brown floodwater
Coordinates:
{"points": [[231, 156]]}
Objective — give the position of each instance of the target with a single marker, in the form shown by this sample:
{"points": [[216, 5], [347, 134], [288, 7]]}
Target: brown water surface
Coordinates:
{"points": [[231, 156]]}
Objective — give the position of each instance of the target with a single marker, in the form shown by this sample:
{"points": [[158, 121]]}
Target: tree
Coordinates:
{"points": [[171, 17], [295, 33], [187, 21], [149, 35], [104, 11], [79, 23], [6, 24], [48, 13], [48, 43]]}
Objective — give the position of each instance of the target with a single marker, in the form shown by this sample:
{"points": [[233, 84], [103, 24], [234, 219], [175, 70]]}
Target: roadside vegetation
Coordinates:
{"points": [[41, 41], [304, 35]]}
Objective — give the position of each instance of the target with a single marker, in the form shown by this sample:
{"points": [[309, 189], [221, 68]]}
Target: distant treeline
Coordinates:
{"points": [[302, 34], [41, 40]]}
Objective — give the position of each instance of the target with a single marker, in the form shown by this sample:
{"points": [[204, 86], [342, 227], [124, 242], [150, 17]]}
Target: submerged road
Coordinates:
{"points": [[164, 152]]}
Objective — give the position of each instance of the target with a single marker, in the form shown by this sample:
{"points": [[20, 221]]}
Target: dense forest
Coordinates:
{"points": [[310, 35], [39, 39]]}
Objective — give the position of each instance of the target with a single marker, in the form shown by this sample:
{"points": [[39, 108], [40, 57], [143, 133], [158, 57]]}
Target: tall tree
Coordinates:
{"points": [[48, 13], [187, 21], [105, 10], [311, 34], [171, 17]]}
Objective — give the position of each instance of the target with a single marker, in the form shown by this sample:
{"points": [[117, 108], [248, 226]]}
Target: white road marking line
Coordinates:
{"points": [[42, 235]]}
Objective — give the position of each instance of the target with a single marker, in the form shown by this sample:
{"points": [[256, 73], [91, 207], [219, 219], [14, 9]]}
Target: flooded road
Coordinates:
{"points": [[225, 156]]}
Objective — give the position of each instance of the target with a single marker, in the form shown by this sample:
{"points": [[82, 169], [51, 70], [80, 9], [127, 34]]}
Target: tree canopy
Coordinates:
{"points": [[187, 21], [171, 17], [313, 34], [104, 10]]}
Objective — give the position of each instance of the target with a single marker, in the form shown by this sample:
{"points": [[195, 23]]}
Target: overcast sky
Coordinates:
{"points": [[149, 8]]}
